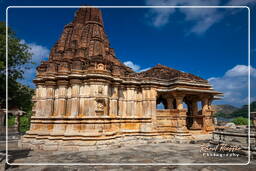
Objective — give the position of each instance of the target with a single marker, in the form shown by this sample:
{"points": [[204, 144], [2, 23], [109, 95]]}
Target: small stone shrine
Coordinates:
{"points": [[85, 96], [13, 130]]}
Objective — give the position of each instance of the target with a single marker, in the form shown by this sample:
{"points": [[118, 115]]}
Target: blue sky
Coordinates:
{"points": [[210, 43]]}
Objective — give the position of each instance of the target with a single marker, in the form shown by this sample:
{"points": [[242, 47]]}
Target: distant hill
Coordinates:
{"points": [[243, 111], [225, 109], [229, 111]]}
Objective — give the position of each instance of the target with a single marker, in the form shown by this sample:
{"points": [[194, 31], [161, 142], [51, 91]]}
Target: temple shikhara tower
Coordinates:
{"points": [[86, 97]]}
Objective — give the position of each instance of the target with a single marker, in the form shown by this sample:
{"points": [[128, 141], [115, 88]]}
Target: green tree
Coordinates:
{"points": [[18, 55], [241, 121]]}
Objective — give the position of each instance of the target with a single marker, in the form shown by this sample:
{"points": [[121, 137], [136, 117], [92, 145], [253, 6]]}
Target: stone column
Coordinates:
{"points": [[122, 102], [146, 106], [69, 102], [60, 109], [139, 112], [194, 107], [205, 102], [40, 100], [130, 108], [113, 103], [195, 124], [34, 107], [179, 101], [49, 108], [61, 99], [170, 101], [82, 96], [74, 105], [207, 114], [75, 88], [181, 116]]}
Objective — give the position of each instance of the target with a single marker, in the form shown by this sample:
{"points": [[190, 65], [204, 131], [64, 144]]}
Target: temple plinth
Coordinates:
{"points": [[85, 96]]}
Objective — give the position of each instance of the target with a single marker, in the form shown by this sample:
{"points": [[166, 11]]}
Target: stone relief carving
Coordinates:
{"points": [[100, 106], [100, 67], [100, 90]]}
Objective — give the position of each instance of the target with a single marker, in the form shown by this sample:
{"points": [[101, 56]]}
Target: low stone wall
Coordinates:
{"points": [[238, 137]]}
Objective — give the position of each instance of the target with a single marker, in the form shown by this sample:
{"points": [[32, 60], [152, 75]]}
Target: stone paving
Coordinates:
{"points": [[149, 153]]}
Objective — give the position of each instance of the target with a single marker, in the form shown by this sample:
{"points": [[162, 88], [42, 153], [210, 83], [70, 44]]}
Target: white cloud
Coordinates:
{"points": [[160, 16], [240, 70], [202, 19], [39, 53], [134, 66], [234, 85]]}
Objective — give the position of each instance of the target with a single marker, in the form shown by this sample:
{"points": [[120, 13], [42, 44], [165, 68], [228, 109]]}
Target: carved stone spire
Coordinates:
{"points": [[85, 38]]}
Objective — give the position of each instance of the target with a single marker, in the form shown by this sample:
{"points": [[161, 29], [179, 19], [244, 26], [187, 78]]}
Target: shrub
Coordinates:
{"points": [[11, 120], [25, 122], [241, 121]]}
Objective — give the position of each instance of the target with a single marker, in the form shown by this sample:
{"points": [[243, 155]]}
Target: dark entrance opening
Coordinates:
{"points": [[161, 103]]}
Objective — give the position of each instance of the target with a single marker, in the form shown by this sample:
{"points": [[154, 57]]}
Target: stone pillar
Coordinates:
{"points": [[40, 100], [61, 99], [82, 106], [34, 107], [182, 114], [205, 102], [74, 105], [207, 114], [69, 102], [170, 103], [195, 124], [75, 88], [122, 101], [87, 98], [194, 107], [130, 108], [60, 109], [49, 108], [153, 113], [179, 101], [113, 104], [146, 103], [139, 111]]}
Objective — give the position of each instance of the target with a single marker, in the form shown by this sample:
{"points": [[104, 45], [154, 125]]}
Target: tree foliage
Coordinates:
{"points": [[241, 121], [18, 55]]}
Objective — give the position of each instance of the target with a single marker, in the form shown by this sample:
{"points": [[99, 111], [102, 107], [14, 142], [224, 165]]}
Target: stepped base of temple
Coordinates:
{"points": [[71, 143]]}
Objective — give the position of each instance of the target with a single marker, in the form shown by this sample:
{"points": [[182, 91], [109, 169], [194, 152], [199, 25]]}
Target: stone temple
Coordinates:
{"points": [[86, 97]]}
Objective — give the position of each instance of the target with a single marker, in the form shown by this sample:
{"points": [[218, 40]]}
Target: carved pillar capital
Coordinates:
{"points": [[179, 100], [205, 103]]}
